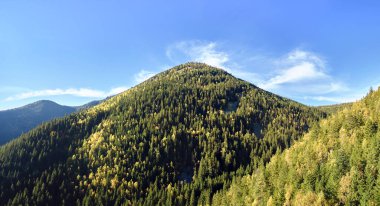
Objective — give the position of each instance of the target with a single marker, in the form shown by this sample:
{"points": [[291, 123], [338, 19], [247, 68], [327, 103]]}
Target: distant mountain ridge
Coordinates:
{"points": [[14, 122]]}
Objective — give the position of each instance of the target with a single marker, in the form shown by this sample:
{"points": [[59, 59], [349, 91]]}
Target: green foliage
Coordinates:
{"points": [[176, 139], [336, 163]]}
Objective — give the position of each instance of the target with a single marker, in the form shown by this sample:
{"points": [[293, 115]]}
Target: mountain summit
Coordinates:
{"points": [[20, 120], [176, 138], [14, 122]]}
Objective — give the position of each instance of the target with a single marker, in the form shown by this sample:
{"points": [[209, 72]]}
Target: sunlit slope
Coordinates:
{"points": [[336, 163]]}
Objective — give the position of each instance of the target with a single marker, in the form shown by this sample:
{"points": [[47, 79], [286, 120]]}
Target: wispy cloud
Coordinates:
{"points": [[199, 51], [297, 66], [81, 92], [303, 70], [143, 75], [206, 52], [117, 90]]}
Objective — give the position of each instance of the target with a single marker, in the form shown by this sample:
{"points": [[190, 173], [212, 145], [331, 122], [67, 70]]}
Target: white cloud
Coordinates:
{"points": [[117, 90], [297, 73], [302, 73], [144, 75], [296, 67], [209, 55], [81, 92], [206, 52]]}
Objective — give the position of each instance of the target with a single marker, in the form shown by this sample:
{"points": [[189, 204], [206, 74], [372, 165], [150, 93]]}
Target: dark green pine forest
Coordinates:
{"points": [[178, 138]]}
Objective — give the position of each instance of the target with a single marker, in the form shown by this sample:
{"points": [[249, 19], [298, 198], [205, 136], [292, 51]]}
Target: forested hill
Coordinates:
{"points": [[176, 139], [14, 122], [336, 163]]}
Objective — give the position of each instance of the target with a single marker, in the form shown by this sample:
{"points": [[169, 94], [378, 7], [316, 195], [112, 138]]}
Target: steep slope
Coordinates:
{"points": [[336, 163], [174, 139], [14, 122], [20, 120]]}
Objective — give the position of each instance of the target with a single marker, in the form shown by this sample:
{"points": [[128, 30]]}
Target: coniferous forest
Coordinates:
{"points": [[196, 135], [335, 163]]}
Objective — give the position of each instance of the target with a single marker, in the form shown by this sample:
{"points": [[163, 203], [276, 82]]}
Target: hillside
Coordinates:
{"points": [[336, 163], [14, 122], [20, 120], [176, 138]]}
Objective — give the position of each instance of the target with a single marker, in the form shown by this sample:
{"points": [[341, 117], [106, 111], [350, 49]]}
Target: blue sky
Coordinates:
{"points": [[315, 52]]}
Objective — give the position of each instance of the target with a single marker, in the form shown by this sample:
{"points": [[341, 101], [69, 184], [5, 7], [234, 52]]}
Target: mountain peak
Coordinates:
{"points": [[39, 105], [190, 67], [190, 70], [44, 102], [196, 66]]}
